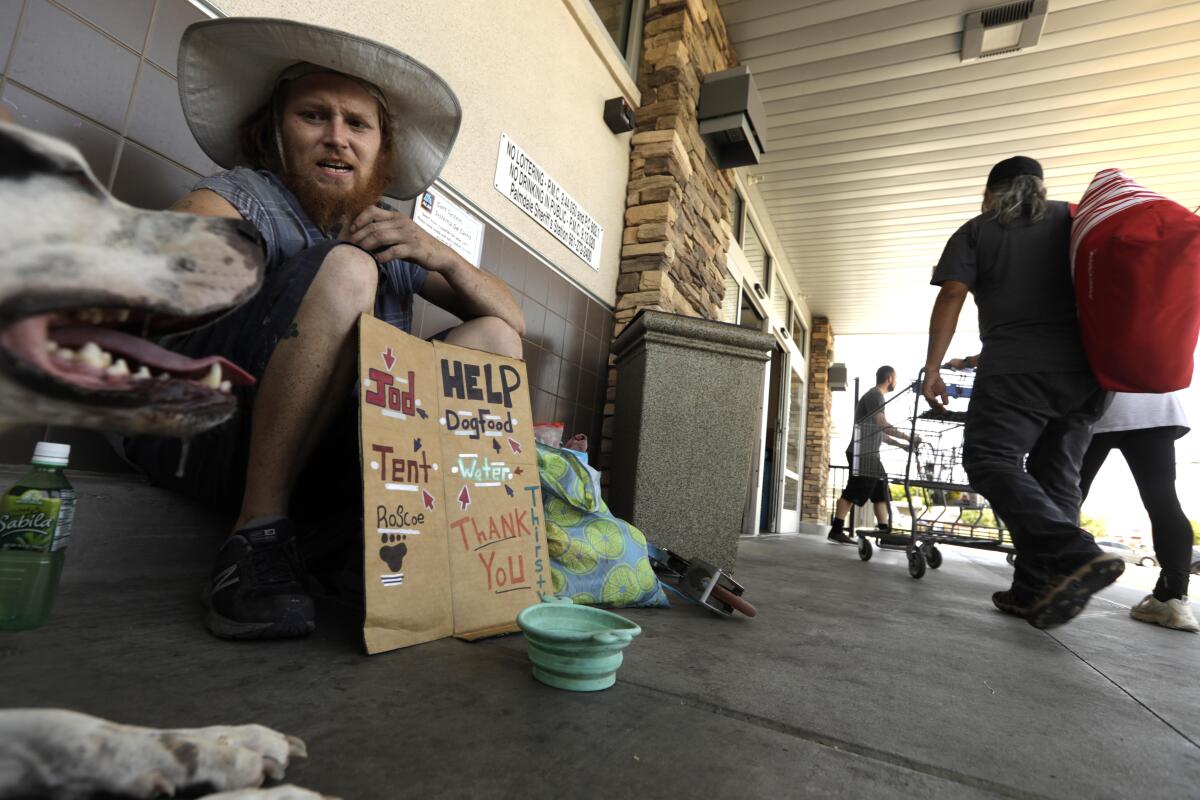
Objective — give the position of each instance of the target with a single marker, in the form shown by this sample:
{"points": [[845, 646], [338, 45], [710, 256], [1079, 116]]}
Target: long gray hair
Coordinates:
{"points": [[1024, 195]]}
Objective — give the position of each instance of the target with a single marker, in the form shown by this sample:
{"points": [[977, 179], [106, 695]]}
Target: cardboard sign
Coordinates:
{"points": [[454, 542]]}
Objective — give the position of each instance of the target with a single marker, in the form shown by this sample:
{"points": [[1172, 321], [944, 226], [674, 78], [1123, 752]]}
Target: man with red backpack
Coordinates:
{"points": [[1034, 398]]}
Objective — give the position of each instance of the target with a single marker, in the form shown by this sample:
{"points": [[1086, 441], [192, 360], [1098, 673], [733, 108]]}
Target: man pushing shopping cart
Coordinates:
{"points": [[868, 479]]}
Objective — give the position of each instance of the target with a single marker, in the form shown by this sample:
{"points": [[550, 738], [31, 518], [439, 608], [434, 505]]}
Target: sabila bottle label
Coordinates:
{"points": [[32, 521]]}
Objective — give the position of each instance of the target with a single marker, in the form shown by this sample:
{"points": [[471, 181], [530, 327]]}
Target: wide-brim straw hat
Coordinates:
{"points": [[228, 69]]}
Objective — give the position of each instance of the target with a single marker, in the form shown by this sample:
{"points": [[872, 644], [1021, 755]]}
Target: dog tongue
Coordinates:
{"points": [[150, 354]]}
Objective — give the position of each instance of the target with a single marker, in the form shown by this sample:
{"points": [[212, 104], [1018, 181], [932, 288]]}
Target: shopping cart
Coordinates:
{"points": [[942, 507]]}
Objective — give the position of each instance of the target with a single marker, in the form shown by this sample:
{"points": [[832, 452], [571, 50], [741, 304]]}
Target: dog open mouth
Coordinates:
{"points": [[89, 286], [105, 356]]}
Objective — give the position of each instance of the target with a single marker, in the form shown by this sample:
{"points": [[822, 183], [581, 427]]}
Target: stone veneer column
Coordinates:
{"points": [[820, 424], [677, 206]]}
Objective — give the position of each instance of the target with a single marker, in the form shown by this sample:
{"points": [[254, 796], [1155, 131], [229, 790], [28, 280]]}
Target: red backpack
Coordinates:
{"points": [[1136, 258]]}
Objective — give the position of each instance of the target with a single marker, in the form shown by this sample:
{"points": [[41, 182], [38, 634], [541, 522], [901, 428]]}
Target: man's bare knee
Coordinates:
{"points": [[490, 334], [348, 278]]}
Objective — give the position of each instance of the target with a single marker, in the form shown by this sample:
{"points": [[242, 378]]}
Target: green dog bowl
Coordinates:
{"points": [[572, 647]]}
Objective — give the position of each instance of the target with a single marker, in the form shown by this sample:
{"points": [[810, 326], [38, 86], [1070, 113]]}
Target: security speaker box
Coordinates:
{"points": [[618, 115], [733, 122], [837, 377]]}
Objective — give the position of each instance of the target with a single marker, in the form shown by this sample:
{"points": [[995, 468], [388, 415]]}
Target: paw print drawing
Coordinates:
{"points": [[393, 551]]}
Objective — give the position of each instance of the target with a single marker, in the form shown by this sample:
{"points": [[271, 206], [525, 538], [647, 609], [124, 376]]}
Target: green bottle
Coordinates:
{"points": [[35, 526]]}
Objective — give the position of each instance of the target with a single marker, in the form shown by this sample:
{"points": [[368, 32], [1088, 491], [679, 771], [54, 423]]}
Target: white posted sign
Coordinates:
{"points": [[450, 224], [521, 180]]}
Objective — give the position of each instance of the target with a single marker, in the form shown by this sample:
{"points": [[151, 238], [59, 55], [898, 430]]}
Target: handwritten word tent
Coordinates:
{"points": [[454, 539]]}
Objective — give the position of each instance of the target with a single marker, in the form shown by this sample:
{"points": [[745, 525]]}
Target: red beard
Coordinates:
{"points": [[332, 210]]}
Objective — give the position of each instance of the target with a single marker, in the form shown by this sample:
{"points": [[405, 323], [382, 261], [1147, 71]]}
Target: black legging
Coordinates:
{"points": [[1150, 454]]}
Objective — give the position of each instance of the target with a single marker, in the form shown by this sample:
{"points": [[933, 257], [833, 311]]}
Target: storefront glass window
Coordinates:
{"points": [[615, 14], [781, 304], [732, 301], [799, 334], [735, 217], [623, 21], [756, 256], [750, 317]]}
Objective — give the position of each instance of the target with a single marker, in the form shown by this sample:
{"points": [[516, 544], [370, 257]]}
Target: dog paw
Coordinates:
{"points": [[67, 755], [232, 756], [285, 792]]}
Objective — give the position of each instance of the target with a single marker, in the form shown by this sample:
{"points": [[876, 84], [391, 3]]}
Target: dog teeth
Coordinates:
{"points": [[213, 379], [65, 353], [92, 355], [51, 345], [164, 376], [226, 387], [118, 370], [98, 316]]}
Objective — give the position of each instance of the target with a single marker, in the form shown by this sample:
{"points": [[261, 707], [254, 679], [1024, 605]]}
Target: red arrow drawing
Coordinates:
{"points": [[388, 358], [428, 498], [464, 498], [514, 444]]}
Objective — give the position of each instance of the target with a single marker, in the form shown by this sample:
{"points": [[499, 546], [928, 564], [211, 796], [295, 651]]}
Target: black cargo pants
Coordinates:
{"points": [[1024, 443]]}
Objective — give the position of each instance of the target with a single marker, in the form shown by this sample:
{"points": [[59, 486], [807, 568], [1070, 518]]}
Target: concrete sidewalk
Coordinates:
{"points": [[854, 681]]}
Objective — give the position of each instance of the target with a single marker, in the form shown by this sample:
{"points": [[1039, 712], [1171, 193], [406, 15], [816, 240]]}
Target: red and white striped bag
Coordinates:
{"points": [[1136, 260]]}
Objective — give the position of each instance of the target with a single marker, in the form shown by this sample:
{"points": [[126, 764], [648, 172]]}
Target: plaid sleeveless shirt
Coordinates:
{"points": [[263, 201]]}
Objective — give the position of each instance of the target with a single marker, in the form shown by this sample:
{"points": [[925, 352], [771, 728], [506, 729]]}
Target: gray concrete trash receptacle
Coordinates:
{"points": [[685, 431]]}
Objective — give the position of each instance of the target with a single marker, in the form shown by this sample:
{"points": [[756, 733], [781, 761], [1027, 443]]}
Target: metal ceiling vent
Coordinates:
{"points": [[1003, 29]]}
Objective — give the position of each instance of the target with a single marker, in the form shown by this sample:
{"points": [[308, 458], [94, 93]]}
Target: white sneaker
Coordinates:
{"points": [[1176, 614]]}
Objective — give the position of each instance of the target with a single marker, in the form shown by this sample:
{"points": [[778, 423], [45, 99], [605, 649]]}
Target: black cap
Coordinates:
{"points": [[1010, 168]]}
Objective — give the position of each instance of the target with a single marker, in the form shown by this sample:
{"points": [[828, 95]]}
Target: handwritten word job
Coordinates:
{"points": [[387, 395]]}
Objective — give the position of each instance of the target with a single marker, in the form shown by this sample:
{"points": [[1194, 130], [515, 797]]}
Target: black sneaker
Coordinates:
{"points": [[1067, 596], [1007, 602], [839, 536], [257, 590]]}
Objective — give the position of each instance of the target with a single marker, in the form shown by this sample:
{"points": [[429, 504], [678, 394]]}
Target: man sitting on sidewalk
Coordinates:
{"points": [[326, 122], [868, 481]]}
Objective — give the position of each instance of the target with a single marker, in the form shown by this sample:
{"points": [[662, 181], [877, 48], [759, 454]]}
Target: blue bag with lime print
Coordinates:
{"points": [[595, 558]]}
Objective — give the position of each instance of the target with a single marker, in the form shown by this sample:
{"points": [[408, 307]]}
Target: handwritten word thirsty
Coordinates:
{"points": [[539, 565]]}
